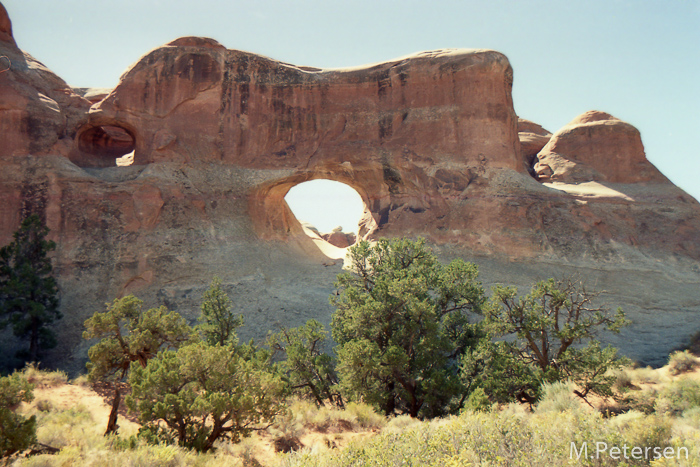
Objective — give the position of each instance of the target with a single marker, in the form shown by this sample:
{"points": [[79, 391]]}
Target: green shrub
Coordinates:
{"points": [[547, 329], [646, 430], [70, 427], [104, 455], [478, 401], [200, 394], [309, 371], [16, 432], [558, 397], [678, 396], [82, 381], [43, 405], [682, 362], [623, 380], [513, 437], [646, 375], [691, 416], [44, 378], [400, 423], [365, 416], [643, 400], [401, 319]]}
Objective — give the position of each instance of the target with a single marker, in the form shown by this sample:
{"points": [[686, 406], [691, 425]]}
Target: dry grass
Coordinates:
{"points": [[662, 410], [43, 378], [682, 362], [646, 375], [81, 381], [72, 417]]}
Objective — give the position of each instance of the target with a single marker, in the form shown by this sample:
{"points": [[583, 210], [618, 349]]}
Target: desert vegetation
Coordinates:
{"points": [[656, 409], [28, 290], [427, 369]]}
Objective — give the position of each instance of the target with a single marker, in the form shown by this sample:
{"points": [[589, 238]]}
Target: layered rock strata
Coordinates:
{"points": [[431, 142]]}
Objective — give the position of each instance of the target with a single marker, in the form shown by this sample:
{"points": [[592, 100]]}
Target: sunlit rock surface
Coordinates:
{"points": [[431, 142]]}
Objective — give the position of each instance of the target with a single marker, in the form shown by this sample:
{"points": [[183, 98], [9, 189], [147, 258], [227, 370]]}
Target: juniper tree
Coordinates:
{"points": [[401, 323], [309, 371], [201, 393], [554, 329], [28, 290], [130, 335], [16, 432], [218, 321]]}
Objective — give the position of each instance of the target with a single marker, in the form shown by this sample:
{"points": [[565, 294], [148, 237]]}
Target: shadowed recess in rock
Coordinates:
{"points": [[106, 143]]}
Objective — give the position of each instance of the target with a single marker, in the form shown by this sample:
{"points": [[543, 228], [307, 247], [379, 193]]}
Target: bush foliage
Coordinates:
{"points": [[553, 331], [17, 433], [682, 362], [127, 335], [218, 322], [410, 344], [309, 371], [204, 393], [401, 322]]}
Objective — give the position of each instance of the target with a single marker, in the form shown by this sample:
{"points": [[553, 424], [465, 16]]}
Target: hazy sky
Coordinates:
{"points": [[636, 59], [318, 202]]}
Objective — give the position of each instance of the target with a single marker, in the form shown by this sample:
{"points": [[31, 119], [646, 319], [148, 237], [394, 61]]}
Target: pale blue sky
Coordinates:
{"points": [[326, 204], [636, 59]]}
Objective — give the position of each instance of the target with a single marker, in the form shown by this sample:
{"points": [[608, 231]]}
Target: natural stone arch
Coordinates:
{"points": [[326, 207], [101, 144], [273, 219]]}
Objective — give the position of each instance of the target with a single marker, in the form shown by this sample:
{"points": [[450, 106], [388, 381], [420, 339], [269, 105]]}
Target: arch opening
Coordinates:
{"points": [[329, 211], [108, 145]]}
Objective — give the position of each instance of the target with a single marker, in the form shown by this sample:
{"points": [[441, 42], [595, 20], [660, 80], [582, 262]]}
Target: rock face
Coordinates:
{"points": [[532, 139], [339, 238], [39, 113], [6, 27], [385, 130], [596, 146], [431, 142], [268, 114]]}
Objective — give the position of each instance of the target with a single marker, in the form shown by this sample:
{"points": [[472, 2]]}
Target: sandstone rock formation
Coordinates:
{"points": [[532, 139], [431, 142], [339, 238], [596, 146], [39, 113], [6, 27], [93, 95]]}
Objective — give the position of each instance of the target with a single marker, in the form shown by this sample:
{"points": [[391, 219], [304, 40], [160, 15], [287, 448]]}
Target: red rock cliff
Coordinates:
{"points": [[431, 142]]}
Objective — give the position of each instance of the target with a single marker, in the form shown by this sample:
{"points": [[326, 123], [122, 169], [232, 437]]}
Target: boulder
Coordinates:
{"points": [[596, 146], [93, 95], [532, 139], [339, 238]]}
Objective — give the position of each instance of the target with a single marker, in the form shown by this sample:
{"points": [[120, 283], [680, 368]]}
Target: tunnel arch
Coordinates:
{"points": [[273, 218], [101, 145], [329, 211], [326, 204]]}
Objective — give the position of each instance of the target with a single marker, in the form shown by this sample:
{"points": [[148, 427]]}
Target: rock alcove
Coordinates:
{"points": [[103, 146]]}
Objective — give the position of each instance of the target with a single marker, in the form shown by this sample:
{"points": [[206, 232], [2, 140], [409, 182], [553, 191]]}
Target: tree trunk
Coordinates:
{"points": [[112, 426], [414, 404], [213, 436], [34, 341], [314, 391], [390, 405]]}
